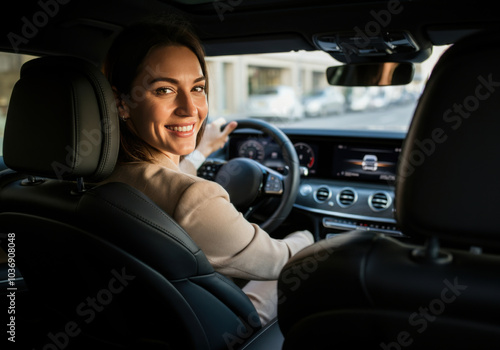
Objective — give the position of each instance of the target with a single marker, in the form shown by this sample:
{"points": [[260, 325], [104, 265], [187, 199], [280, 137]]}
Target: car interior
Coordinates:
{"points": [[405, 252]]}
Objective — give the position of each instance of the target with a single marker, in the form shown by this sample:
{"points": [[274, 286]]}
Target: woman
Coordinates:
{"points": [[159, 76]]}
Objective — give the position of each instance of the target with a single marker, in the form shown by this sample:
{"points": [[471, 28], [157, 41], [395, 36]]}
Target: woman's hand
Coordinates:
{"points": [[213, 138]]}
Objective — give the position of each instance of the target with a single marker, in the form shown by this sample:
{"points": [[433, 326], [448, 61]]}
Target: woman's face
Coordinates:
{"points": [[168, 103]]}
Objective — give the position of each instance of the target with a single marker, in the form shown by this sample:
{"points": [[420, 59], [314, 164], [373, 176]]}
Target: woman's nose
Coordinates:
{"points": [[186, 106]]}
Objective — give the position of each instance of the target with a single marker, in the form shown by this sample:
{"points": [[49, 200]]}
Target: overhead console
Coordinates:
{"points": [[358, 46]]}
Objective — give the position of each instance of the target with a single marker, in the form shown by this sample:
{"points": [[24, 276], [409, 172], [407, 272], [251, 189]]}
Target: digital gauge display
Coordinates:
{"points": [[305, 154], [252, 149]]}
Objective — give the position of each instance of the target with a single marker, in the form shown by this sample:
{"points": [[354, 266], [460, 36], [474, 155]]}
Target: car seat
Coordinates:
{"points": [[104, 266], [440, 289]]}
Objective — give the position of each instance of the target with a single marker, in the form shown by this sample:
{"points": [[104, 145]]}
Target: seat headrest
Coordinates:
{"points": [[448, 177], [62, 121]]}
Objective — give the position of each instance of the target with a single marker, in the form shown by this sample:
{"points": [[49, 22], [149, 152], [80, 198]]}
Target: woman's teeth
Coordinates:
{"points": [[181, 128]]}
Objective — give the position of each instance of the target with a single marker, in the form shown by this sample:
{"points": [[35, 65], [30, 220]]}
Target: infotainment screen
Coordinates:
{"points": [[365, 163]]}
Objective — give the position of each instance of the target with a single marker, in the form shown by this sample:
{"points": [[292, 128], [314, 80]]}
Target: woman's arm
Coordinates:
{"points": [[233, 246]]}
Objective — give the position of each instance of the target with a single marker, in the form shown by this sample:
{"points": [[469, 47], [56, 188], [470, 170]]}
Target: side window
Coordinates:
{"points": [[10, 65]]}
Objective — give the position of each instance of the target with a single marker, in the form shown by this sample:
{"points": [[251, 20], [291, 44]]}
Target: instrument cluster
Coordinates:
{"points": [[267, 152]]}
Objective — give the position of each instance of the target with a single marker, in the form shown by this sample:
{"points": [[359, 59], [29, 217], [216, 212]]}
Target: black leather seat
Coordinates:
{"points": [[104, 266], [440, 290]]}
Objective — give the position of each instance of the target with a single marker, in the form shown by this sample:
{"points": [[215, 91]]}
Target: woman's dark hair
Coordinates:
{"points": [[124, 62]]}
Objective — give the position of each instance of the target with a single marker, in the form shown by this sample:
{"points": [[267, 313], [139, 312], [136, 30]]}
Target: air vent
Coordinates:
{"points": [[379, 201], [322, 194], [347, 197]]}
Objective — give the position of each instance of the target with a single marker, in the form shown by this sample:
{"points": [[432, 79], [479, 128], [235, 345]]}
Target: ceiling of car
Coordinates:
{"points": [[86, 27]]}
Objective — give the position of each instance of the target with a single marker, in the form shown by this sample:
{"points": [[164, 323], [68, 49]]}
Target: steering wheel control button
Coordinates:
{"points": [[209, 169], [273, 185]]}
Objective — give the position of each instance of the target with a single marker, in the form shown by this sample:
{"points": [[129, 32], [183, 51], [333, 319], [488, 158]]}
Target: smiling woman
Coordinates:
{"points": [[173, 108], [162, 103], [142, 49]]}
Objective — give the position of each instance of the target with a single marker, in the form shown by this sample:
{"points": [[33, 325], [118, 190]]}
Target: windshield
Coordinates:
{"points": [[290, 90]]}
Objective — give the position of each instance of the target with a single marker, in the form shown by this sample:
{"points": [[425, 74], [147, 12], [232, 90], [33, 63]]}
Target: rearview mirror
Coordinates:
{"points": [[371, 74]]}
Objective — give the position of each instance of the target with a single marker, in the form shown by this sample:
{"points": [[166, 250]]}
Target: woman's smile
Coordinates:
{"points": [[181, 130]]}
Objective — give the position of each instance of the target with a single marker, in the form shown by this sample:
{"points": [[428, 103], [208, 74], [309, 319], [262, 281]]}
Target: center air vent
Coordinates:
{"points": [[379, 201], [347, 197], [322, 194]]}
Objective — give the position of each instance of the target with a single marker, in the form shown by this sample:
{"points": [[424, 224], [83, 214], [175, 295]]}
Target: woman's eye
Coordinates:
{"points": [[163, 91], [199, 88]]}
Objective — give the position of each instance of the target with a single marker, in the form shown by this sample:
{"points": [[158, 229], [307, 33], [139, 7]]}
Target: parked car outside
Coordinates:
{"points": [[358, 99], [369, 98], [275, 102], [324, 102]]}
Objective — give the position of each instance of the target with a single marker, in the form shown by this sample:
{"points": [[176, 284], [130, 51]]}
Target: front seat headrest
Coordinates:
{"points": [[448, 177], [62, 121]]}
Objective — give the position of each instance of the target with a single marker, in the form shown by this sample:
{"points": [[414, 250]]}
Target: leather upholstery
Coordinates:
{"points": [[366, 290], [106, 261], [62, 121], [448, 177]]}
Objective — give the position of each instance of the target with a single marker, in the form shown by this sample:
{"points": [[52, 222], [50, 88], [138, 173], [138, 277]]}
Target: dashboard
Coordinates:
{"points": [[347, 178], [356, 160]]}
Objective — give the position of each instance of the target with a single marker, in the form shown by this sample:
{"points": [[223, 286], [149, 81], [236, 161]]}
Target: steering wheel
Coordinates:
{"points": [[251, 184]]}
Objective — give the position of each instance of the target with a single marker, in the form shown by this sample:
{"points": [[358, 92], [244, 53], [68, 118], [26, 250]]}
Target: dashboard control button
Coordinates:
{"points": [[305, 190]]}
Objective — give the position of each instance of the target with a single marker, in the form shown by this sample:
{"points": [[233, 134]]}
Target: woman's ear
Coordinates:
{"points": [[123, 111]]}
